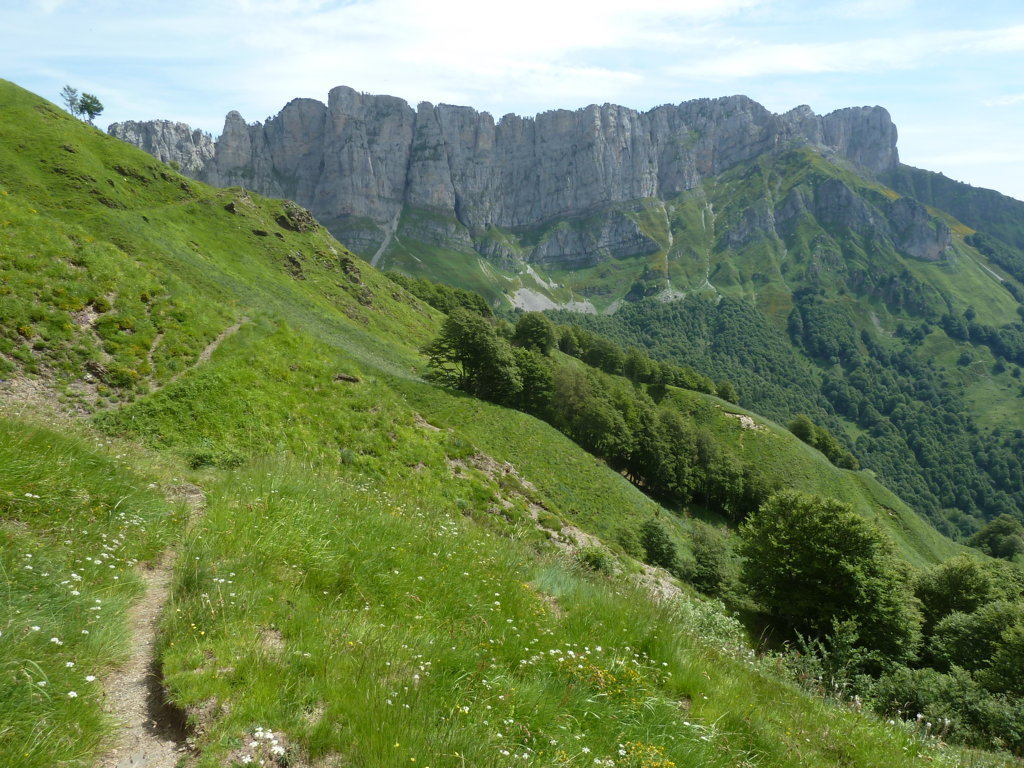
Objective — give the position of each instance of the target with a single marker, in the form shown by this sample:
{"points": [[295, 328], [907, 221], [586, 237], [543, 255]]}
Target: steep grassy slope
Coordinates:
{"points": [[780, 454], [366, 586]]}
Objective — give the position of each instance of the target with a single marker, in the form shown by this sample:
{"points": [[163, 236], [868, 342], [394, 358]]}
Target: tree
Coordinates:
{"points": [[812, 561], [959, 584], [972, 640], [659, 549], [69, 96], [538, 382], [710, 570], [535, 331], [727, 391], [568, 341], [1007, 672], [1002, 537], [469, 354], [637, 366], [89, 105]]}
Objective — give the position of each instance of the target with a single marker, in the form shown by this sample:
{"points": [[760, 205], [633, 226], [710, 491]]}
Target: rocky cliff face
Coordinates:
{"points": [[169, 142], [361, 161]]}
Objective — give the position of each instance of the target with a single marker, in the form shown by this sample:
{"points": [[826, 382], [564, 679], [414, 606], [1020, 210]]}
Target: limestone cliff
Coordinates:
{"points": [[191, 150], [370, 166]]}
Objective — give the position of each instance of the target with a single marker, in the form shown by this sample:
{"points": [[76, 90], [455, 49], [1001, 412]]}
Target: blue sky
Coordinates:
{"points": [[950, 72]]}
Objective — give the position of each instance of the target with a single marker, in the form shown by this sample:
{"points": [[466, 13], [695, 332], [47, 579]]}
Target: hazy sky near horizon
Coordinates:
{"points": [[951, 73]]}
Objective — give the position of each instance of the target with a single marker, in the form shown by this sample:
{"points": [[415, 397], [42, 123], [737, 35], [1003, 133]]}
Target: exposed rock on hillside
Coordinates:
{"points": [[170, 142], [451, 174]]}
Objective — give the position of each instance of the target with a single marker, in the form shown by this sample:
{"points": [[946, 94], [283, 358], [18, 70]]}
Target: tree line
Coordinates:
{"points": [[607, 405]]}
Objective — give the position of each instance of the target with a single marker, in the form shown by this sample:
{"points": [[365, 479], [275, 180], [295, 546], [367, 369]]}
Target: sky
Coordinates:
{"points": [[950, 72]]}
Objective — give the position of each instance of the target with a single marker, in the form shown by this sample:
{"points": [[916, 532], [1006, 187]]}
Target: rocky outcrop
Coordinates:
{"points": [[174, 143], [917, 232], [362, 162], [904, 223]]}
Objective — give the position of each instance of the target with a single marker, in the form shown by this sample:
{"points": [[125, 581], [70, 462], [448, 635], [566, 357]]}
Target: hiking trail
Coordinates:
{"points": [[152, 732]]}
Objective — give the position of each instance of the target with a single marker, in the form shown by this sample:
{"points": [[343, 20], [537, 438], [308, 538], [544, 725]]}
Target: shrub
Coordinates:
{"points": [[812, 561], [710, 571], [630, 542], [596, 559], [659, 549], [972, 640]]}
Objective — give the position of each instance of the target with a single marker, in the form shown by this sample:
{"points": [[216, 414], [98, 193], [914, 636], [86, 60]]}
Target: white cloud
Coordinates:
{"points": [[873, 9], [540, 52], [1004, 101], [193, 60], [755, 59], [48, 6]]}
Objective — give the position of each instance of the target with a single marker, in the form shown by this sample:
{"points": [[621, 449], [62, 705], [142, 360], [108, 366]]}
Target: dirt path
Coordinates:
{"points": [[152, 733], [207, 353]]}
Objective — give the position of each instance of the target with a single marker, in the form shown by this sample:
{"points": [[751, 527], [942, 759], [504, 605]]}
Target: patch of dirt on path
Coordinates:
{"points": [[153, 732]]}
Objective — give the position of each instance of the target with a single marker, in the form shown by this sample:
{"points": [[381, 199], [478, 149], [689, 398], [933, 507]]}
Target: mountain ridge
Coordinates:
{"points": [[362, 161]]}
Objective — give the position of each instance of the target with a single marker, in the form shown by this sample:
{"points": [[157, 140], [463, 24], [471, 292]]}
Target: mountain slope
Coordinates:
{"points": [[887, 295], [820, 296], [364, 587]]}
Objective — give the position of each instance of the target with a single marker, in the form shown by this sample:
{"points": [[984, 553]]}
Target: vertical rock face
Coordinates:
{"points": [[360, 161], [169, 142]]}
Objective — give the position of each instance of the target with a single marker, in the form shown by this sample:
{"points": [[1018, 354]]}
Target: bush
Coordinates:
{"points": [[959, 584], [710, 572], [812, 561], [630, 542], [535, 331], [953, 706], [596, 559], [1002, 537], [972, 640], [659, 549]]}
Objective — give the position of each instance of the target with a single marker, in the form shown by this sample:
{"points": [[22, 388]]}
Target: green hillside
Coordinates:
{"points": [[887, 313], [781, 454], [364, 568]]}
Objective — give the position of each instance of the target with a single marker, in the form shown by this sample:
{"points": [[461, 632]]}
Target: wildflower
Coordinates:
{"points": [[90, 678], [34, 628], [72, 695], [69, 664]]}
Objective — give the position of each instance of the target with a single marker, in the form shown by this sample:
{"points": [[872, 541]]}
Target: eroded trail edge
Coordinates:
{"points": [[152, 732]]}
